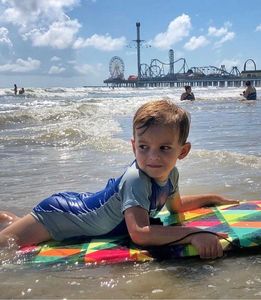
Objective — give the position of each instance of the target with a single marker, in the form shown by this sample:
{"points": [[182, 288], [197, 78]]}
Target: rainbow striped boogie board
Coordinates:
{"points": [[241, 223]]}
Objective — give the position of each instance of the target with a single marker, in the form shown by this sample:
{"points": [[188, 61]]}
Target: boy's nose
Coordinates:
{"points": [[154, 155]]}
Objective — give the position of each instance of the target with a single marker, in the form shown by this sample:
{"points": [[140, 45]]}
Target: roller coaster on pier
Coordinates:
{"points": [[159, 69]]}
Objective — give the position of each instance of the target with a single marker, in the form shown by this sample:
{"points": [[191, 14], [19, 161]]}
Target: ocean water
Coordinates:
{"points": [[74, 139]]}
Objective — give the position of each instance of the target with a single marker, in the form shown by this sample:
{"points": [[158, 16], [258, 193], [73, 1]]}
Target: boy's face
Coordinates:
{"points": [[157, 150]]}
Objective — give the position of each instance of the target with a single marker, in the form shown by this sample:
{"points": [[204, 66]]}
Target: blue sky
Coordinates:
{"points": [[45, 43]]}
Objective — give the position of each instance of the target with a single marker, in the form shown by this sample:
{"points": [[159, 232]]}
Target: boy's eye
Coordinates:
{"points": [[143, 147], [165, 148]]}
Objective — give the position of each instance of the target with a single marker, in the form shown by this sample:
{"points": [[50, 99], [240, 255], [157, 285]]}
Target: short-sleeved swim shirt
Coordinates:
{"points": [[73, 215]]}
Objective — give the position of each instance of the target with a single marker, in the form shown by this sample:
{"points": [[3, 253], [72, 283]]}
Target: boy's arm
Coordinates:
{"points": [[183, 96], [184, 203], [142, 233], [246, 92]]}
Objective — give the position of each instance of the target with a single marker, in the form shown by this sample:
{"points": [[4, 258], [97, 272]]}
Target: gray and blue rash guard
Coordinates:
{"points": [[73, 215]]}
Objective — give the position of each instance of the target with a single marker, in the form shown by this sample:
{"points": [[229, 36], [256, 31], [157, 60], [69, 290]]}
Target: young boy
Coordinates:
{"points": [[250, 91], [188, 95], [160, 131]]}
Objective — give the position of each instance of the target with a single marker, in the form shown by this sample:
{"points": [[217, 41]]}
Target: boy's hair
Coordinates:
{"points": [[163, 112], [248, 83], [187, 87]]}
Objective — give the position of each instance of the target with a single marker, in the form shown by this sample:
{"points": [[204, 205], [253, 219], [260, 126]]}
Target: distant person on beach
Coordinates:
{"points": [[128, 204], [188, 95], [15, 89], [250, 91], [21, 91]]}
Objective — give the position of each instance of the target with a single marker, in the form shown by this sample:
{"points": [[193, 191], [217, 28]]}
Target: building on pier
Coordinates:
{"points": [[176, 73]]}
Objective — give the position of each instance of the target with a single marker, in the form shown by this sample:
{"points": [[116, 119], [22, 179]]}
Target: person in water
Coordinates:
{"points": [[21, 91], [188, 95], [250, 91], [128, 204], [15, 89]]}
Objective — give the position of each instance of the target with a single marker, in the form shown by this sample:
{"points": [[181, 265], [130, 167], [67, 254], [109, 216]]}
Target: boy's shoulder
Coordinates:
{"points": [[133, 172], [174, 174], [135, 185]]}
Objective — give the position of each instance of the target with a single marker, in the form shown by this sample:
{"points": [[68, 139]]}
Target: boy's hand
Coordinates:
{"points": [[207, 245]]}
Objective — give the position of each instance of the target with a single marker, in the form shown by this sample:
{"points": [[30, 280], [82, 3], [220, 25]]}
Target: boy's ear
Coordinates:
{"points": [[185, 150], [133, 146]]}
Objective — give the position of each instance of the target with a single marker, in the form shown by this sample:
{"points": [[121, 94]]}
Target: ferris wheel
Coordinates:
{"points": [[116, 67]]}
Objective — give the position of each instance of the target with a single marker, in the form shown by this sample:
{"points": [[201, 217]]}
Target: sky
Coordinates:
{"points": [[70, 43]]}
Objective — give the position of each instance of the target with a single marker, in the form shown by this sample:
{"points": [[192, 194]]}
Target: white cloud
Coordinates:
{"points": [[26, 13], [229, 63], [4, 39], [213, 31], [223, 33], [60, 35], [46, 24], [56, 70], [55, 58], [176, 31], [101, 42], [258, 28], [196, 42], [228, 37], [14, 16], [87, 69], [21, 66], [72, 62]]}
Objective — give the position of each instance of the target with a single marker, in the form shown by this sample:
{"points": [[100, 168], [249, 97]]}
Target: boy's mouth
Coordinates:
{"points": [[154, 166]]}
